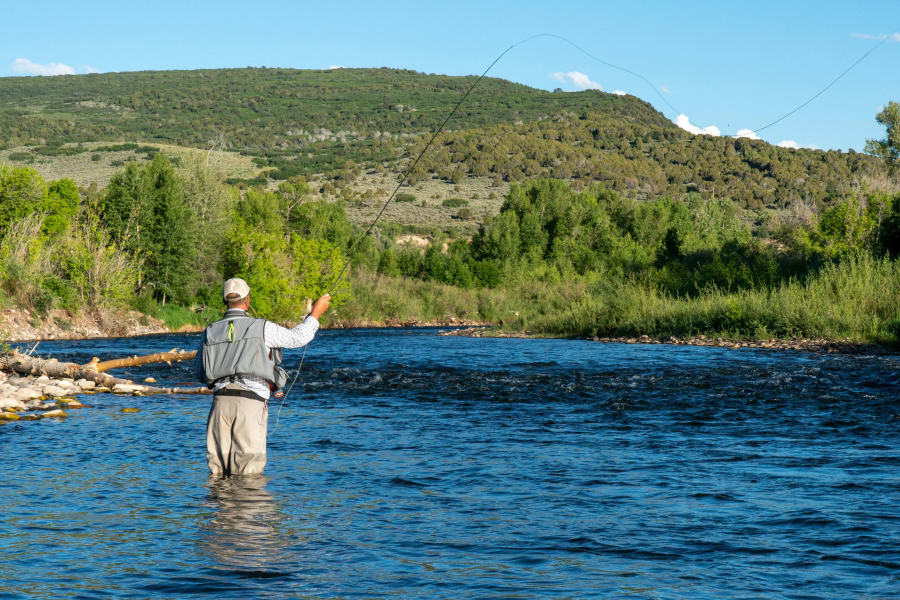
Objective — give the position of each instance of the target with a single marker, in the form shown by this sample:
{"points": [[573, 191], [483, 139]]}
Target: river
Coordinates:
{"points": [[412, 465]]}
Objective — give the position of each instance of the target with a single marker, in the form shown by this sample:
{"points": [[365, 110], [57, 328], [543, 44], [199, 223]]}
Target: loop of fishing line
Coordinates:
{"points": [[408, 170], [653, 86]]}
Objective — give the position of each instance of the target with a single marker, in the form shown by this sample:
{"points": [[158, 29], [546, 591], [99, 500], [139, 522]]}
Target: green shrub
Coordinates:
{"points": [[454, 202], [102, 272], [282, 271], [405, 197], [26, 157]]}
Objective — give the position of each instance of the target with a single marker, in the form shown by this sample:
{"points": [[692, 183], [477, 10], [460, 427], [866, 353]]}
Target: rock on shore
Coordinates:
{"points": [[28, 398], [808, 345], [448, 321]]}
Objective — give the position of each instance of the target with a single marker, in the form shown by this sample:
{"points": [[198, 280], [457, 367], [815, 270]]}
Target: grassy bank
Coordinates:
{"points": [[855, 299], [376, 300], [383, 299]]}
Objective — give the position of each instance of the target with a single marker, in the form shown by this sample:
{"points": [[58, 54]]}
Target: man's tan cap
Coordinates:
{"points": [[235, 289]]}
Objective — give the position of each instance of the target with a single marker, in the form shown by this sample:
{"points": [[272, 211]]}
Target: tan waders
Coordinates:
{"points": [[236, 434]]}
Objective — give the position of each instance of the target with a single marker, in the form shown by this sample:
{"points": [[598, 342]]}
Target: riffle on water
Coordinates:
{"points": [[411, 465]]}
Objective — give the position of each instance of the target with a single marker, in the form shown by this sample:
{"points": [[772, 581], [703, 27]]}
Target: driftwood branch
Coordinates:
{"points": [[174, 355]]}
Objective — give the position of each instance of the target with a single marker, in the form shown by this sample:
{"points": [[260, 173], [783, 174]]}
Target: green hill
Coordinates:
{"points": [[649, 161], [340, 123], [260, 108]]}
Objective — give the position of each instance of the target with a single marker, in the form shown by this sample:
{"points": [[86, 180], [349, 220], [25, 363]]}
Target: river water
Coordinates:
{"points": [[411, 465]]}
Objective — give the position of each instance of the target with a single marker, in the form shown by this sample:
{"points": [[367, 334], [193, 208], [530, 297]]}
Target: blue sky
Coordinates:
{"points": [[728, 65]]}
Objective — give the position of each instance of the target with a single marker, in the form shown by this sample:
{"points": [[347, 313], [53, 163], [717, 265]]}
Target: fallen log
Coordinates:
{"points": [[29, 365], [51, 367], [173, 355]]}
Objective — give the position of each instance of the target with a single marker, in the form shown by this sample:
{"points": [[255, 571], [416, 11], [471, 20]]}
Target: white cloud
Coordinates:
{"points": [[89, 69], [685, 123], [665, 89], [619, 93], [795, 146], [747, 133], [578, 79], [332, 67], [881, 36], [23, 65]]}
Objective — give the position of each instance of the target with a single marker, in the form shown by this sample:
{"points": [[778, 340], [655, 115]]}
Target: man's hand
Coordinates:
{"points": [[320, 306]]}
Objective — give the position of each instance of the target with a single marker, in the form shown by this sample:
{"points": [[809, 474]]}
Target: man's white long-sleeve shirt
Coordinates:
{"points": [[274, 336]]}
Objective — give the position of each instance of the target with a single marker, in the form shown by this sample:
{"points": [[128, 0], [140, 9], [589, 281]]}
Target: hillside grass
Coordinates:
{"points": [[84, 170], [370, 190]]}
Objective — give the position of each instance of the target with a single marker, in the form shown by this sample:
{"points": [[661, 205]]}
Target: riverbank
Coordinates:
{"points": [[21, 324], [802, 344]]}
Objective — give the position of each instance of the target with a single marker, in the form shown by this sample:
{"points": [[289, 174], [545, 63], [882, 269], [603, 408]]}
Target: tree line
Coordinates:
{"points": [[162, 234]]}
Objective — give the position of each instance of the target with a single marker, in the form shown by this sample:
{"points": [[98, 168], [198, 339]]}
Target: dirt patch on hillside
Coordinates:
{"points": [[426, 209]]}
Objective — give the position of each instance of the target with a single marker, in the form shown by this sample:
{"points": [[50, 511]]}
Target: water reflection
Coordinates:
{"points": [[246, 533]]}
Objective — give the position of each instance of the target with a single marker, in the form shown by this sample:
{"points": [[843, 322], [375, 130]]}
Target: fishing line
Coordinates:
{"points": [[354, 248], [286, 394], [830, 84]]}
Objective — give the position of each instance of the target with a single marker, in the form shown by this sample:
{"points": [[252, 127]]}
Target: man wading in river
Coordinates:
{"points": [[239, 361]]}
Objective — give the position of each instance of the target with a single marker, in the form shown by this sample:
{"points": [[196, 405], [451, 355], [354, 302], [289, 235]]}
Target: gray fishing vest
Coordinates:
{"points": [[236, 346]]}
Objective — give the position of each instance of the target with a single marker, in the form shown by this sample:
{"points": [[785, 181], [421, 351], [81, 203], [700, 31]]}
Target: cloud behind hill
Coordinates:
{"points": [[578, 79], [27, 67], [685, 123]]}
